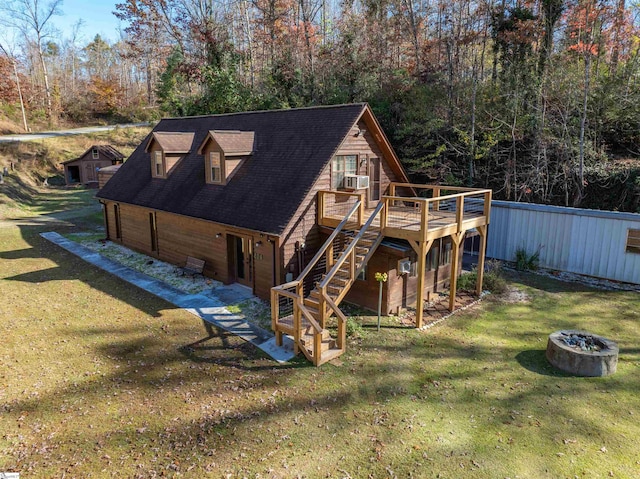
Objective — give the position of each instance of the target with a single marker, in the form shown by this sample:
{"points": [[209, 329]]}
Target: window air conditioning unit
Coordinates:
{"points": [[404, 266], [356, 182]]}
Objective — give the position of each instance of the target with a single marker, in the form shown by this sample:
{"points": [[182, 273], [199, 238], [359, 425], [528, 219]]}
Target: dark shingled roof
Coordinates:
{"points": [[290, 151]]}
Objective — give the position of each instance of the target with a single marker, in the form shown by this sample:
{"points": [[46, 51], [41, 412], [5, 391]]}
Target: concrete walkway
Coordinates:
{"points": [[213, 311]]}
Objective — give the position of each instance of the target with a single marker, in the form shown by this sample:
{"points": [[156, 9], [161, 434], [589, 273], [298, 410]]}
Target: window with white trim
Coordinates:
{"points": [[158, 163], [95, 154], [215, 169], [342, 165]]}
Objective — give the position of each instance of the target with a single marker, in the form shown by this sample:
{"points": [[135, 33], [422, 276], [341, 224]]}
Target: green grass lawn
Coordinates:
{"points": [[100, 379]]}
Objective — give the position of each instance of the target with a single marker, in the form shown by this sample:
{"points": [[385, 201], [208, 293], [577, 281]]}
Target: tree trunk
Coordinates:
{"points": [[45, 75], [24, 116]]}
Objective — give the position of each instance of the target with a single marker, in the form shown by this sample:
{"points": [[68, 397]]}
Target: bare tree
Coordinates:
{"points": [[11, 55], [32, 18]]}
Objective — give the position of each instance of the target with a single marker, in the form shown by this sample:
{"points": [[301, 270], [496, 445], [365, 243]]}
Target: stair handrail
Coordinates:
{"points": [[326, 244], [347, 252]]}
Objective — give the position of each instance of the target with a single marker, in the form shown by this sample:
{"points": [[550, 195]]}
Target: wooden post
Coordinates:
{"points": [[392, 189], [383, 214], [297, 316], [422, 260], [436, 193], [459, 212], [483, 247], [320, 207], [329, 256], [455, 260], [361, 210], [424, 220], [274, 317], [322, 306]]}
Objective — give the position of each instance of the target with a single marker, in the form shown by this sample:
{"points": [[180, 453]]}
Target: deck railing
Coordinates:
{"points": [[432, 211]]}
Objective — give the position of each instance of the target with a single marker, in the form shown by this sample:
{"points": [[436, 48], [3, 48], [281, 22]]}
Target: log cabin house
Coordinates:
{"points": [[303, 206], [84, 169]]}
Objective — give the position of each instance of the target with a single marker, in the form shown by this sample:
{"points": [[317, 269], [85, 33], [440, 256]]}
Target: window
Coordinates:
{"points": [[95, 154], [340, 166], [445, 258], [432, 259], [154, 231], [116, 215], [215, 171], [633, 241], [158, 164]]}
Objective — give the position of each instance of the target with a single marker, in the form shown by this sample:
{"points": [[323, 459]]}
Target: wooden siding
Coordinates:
{"points": [[136, 231], [400, 290], [171, 160], [181, 236], [366, 145], [304, 229]]}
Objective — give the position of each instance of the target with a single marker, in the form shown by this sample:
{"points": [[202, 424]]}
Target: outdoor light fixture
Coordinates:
{"points": [[258, 244], [218, 235]]}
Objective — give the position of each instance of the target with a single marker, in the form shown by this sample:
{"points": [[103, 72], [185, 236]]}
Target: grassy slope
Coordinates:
{"points": [[36, 160], [98, 378]]}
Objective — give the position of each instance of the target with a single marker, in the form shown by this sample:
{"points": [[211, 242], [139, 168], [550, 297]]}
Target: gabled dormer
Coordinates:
{"points": [[166, 149], [224, 151]]}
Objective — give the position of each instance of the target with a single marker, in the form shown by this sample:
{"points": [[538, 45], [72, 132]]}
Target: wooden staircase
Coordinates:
{"points": [[304, 314]]}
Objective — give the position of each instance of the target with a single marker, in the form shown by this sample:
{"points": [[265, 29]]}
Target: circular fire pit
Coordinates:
{"points": [[582, 353]]}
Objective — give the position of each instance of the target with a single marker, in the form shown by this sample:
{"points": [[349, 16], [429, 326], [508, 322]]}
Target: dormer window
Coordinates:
{"points": [[224, 152], [94, 154], [158, 164], [166, 149]]}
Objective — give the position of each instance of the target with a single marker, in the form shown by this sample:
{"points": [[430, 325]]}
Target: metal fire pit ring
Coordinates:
{"points": [[598, 356]]}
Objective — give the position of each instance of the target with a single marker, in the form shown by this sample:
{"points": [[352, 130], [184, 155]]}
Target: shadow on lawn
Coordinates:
{"points": [[535, 361]]}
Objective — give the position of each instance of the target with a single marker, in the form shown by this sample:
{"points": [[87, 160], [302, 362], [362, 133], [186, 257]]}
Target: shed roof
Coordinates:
{"points": [[290, 150], [107, 150]]}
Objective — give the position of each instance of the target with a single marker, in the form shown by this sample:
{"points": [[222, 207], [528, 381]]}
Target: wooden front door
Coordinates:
{"points": [[374, 182], [241, 249]]}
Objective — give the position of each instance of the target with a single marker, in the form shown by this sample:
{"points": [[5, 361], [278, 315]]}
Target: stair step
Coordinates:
{"points": [[330, 354], [328, 343]]}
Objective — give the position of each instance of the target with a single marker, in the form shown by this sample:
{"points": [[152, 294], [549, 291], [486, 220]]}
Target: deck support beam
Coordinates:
{"points": [[423, 248], [482, 230], [456, 239]]}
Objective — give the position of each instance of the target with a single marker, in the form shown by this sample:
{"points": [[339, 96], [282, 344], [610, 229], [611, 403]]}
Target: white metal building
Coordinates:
{"points": [[604, 244]]}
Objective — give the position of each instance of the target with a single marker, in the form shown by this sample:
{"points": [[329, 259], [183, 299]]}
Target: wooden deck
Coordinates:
{"points": [[414, 218]]}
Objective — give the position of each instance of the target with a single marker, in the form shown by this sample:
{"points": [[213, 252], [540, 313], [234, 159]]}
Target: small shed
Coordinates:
{"points": [[84, 169]]}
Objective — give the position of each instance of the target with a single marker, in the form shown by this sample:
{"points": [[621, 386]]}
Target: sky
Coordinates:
{"points": [[97, 17]]}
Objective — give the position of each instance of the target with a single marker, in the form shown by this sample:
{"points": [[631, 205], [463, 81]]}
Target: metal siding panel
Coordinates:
{"points": [[593, 248], [632, 260], [546, 241], [564, 228], [610, 249]]}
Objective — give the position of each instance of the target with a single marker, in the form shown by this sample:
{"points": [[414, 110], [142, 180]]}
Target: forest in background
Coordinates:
{"points": [[538, 100]]}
